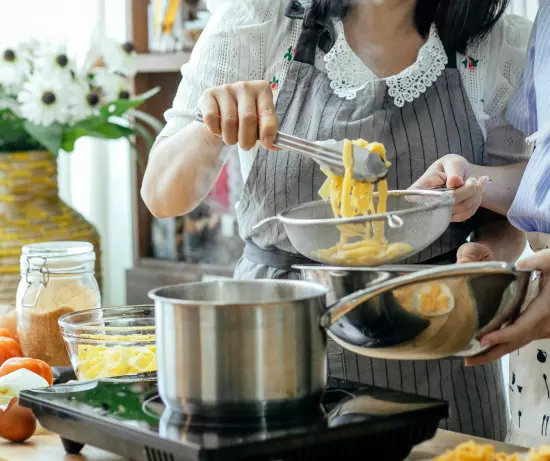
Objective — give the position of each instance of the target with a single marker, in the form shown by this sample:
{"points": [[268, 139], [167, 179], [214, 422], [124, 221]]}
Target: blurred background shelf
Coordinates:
{"points": [[162, 62]]}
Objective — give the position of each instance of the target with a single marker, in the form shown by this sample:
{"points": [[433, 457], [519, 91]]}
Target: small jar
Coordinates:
{"points": [[56, 278]]}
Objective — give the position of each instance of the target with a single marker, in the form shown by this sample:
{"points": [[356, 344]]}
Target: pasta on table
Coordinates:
{"points": [[472, 451]]}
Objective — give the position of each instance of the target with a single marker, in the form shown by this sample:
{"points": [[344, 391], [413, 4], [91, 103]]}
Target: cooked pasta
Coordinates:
{"points": [[542, 454], [95, 361], [472, 451], [348, 198]]}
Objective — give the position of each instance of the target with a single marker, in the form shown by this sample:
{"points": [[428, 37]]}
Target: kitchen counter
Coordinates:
{"points": [[49, 448]]}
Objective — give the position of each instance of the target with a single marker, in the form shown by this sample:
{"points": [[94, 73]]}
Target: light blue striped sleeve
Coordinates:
{"points": [[522, 108], [531, 208]]}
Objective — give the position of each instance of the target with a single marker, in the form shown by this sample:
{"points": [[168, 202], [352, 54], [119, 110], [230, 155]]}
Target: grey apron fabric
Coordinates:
{"points": [[439, 122]]}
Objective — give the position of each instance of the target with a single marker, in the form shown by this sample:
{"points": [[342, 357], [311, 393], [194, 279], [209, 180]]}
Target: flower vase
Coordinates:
{"points": [[31, 211]]}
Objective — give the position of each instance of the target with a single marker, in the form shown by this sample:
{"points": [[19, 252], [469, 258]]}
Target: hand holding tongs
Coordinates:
{"points": [[367, 166]]}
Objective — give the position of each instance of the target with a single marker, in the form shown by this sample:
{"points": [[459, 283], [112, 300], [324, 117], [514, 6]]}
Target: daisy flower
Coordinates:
{"points": [[118, 58], [46, 100], [14, 67], [113, 86], [54, 61], [86, 104]]}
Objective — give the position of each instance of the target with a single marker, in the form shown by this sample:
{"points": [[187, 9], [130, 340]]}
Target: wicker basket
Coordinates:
{"points": [[31, 211]]}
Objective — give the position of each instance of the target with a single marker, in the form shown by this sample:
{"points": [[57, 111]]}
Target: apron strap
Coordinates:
{"points": [[451, 58], [317, 31], [274, 257]]}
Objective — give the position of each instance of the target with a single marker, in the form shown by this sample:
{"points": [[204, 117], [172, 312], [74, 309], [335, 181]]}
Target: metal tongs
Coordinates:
{"points": [[328, 154]]}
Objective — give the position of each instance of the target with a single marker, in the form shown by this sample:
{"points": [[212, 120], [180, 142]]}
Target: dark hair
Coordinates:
{"points": [[458, 22]]}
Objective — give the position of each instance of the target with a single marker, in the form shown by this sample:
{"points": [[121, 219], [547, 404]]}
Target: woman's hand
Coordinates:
{"points": [[532, 324], [452, 171], [241, 113], [495, 241], [473, 252]]}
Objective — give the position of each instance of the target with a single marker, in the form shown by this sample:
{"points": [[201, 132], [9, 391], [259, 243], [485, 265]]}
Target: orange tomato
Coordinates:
{"points": [[17, 423], [8, 349], [36, 366], [9, 321], [4, 332]]}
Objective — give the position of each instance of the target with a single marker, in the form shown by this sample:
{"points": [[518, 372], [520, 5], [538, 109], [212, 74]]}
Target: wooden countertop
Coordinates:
{"points": [[49, 448]]}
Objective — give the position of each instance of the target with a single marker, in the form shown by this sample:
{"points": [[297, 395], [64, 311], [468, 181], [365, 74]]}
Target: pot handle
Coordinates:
{"points": [[347, 304]]}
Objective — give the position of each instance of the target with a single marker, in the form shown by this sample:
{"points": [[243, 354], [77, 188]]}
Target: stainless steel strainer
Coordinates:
{"points": [[415, 217]]}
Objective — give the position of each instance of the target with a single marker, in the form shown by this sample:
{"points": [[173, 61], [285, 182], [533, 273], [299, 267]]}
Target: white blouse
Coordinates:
{"points": [[253, 40]]}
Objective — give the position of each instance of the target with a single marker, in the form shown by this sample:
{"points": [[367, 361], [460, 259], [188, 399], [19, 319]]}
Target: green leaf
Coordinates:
{"points": [[121, 106], [144, 133], [50, 137], [154, 122], [94, 127], [12, 131]]}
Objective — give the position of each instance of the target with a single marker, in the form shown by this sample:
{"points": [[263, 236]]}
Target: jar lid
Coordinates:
{"points": [[57, 249], [55, 254]]}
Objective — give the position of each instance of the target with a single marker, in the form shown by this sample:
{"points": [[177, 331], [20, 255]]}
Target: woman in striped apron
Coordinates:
{"points": [[419, 114]]}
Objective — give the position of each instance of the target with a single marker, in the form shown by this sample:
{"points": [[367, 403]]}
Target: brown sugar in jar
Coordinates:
{"points": [[57, 278]]}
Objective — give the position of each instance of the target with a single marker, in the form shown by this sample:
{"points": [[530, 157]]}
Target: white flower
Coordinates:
{"points": [[85, 105], [14, 67], [54, 61], [113, 86], [45, 100], [118, 58]]}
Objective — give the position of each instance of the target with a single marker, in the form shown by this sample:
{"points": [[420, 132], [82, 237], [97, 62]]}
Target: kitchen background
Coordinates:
{"points": [[100, 178]]}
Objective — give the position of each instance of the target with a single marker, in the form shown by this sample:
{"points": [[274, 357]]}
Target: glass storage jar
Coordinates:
{"points": [[56, 278]]}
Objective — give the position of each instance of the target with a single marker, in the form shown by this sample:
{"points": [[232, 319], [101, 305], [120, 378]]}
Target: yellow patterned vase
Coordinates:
{"points": [[31, 211]]}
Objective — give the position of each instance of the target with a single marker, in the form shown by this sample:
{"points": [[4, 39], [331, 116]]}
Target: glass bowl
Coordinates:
{"points": [[111, 342]]}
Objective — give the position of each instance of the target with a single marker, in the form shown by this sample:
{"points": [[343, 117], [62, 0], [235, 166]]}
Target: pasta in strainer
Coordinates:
{"points": [[349, 198]]}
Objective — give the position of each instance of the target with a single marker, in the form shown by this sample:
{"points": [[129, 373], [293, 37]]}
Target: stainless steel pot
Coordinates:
{"points": [[252, 348], [391, 323], [247, 348]]}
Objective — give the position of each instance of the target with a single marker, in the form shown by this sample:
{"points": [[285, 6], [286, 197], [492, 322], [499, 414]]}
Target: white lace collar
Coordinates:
{"points": [[348, 73]]}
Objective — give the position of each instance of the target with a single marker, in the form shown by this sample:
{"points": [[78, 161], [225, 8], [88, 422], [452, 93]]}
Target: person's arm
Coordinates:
{"points": [[177, 178], [506, 152], [512, 114], [188, 156], [500, 192]]}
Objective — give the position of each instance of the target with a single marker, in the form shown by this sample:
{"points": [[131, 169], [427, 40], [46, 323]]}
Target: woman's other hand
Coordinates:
{"points": [[532, 324], [452, 171], [242, 113], [473, 252]]}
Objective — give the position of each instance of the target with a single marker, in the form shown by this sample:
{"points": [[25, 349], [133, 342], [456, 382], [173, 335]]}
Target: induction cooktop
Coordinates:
{"points": [[128, 418]]}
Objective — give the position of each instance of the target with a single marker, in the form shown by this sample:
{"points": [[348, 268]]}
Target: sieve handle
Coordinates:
{"points": [[257, 226]]}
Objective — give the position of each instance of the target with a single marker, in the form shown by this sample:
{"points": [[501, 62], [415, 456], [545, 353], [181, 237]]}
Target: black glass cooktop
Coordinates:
{"points": [[129, 419]]}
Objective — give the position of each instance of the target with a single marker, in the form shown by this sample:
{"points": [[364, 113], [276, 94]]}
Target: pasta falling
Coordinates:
{"points": [[349, 198]]}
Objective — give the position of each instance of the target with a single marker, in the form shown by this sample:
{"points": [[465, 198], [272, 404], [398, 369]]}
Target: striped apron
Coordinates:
{"points": [[439, 122]]}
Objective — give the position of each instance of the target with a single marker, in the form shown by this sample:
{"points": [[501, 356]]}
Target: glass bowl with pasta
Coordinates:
{"points": [[111, 342], [355, 225]]}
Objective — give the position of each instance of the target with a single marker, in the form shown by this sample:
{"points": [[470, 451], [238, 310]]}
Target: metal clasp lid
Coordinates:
{"points": [[43, 269]]}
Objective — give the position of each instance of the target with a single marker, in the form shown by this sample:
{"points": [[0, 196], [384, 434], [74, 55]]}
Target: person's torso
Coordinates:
{"points": [[419, 117]]}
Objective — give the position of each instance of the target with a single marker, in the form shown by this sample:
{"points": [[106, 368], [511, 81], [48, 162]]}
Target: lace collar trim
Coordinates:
{"points": [[348, 74]]}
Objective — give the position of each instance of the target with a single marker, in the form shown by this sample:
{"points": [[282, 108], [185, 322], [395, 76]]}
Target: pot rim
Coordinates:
{"points": [[322, 291], [384, 268]]}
